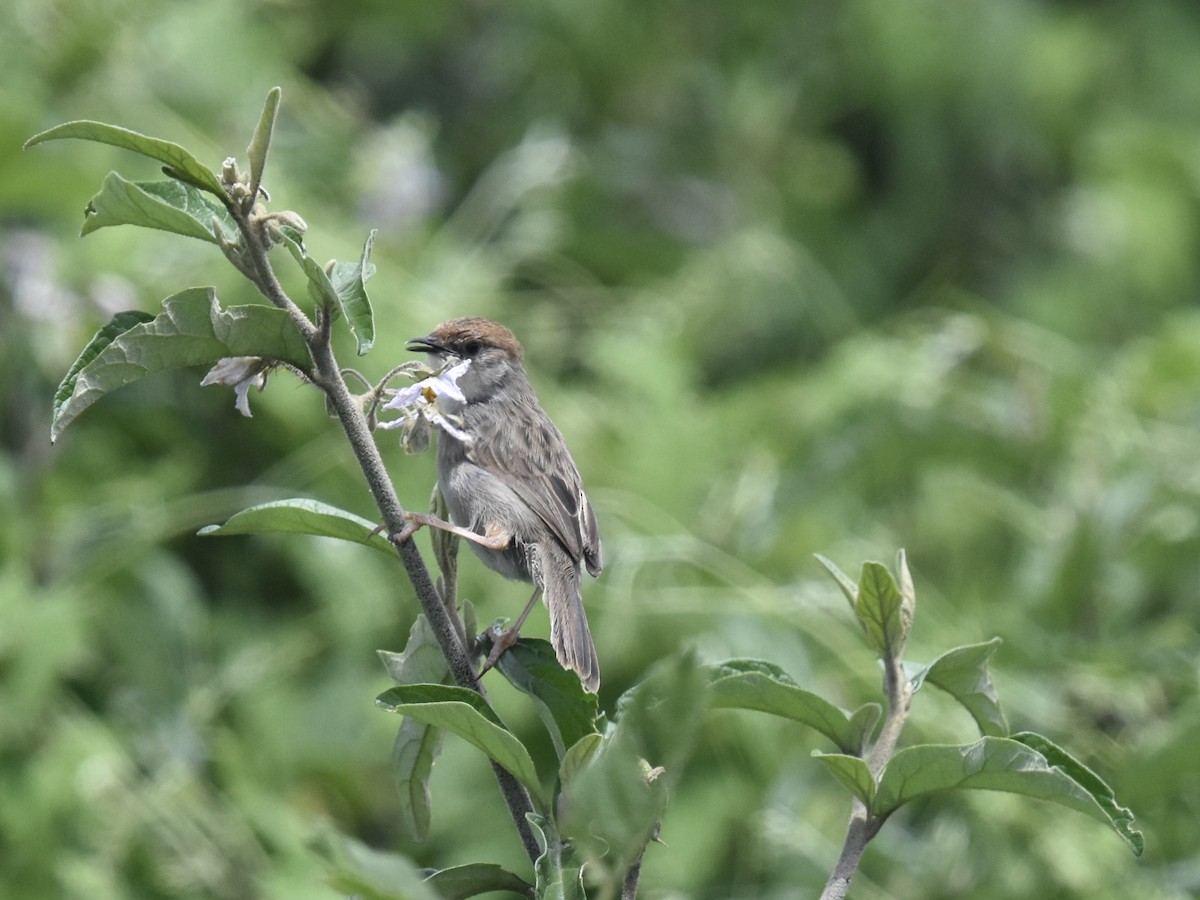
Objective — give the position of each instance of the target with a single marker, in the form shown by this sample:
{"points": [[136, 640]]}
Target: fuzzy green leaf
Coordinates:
{"points": [[180, 162], [862, 723], [320, 288], [414, 751], [1001, 764], [192, 330], [260, 143], [1118, 816], [341, 288], [614, 801], [578, 756], [421, 662], [473, 879], [566, 709], [301, 516], [118, 325], [852, 772], [963, 673], [904, 583], [849, 588], [556, 879], [882, 610], [349, 280], [417, 743], [164, 205], [762, 686], [464, 713]]}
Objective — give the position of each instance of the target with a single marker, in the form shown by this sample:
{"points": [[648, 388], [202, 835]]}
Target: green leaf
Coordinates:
{"points": [[852, 772], [181, 162], [414, 751], [370, 874], [260, 143], [349, 281], [578, 756], [460, 882], [997, 764], [762, 686], [1118, 816], [611, 805], [300, 516], [555, 880], [193, 329], [464, 713], [164, 205], [882, 611], [320, 288], [849, 588], [342, 288], [421, 662], [862, 723], [118, 325], [963, 674], [567, 710], [417, 744], [904, 583]]}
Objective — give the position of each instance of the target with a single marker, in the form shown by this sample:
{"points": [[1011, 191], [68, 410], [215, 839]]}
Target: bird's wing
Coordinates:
{"points": [[557, 498]]}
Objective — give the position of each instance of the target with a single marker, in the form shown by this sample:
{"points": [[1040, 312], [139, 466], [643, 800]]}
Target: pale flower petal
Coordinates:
{"points": [[420, 402], [441, 384], [449, 427], [406, 397], [394, 423], [232, 370], [242, 389], [448, 382], [241, 373]]}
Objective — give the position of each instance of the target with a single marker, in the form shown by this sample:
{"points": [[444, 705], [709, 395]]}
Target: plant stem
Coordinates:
{"points": [[264, 279], [327, 375], [899, 697], [630, 885], [863, 824]]}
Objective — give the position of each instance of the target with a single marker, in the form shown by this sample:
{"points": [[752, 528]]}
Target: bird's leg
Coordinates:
{"points": [[493, 538], [502, 640]]}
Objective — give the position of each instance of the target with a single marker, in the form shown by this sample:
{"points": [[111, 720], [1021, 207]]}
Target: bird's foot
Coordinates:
{"points": [[502, 639], [494, 537]]}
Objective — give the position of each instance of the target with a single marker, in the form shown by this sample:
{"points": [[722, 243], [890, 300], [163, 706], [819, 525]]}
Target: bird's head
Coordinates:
{"points": [[493, 351]]}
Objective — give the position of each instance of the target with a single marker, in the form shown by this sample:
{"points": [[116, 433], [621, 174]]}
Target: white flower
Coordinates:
{"points": [[423, 400], [443, 383], [242, 373]]}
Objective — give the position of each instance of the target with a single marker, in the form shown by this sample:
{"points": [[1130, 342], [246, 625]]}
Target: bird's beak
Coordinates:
{"points": [[424, 345]]}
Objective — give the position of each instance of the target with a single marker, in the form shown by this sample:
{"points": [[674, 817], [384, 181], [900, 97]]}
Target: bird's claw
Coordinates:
{"points": [[403, 535], [412, 524], [501, 641]]}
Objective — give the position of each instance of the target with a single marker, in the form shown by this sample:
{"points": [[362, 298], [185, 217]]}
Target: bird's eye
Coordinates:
{"points": [[470, 348]]}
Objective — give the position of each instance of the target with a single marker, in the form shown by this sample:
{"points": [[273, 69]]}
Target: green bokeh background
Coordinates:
{"points": [[792, 277]]}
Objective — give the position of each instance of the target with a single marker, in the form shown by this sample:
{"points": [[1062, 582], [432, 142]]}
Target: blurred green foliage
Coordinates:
{"points": [[792, 278]]}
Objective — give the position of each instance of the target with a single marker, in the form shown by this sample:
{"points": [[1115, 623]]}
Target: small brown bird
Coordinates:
{"points": [[513, 488]]}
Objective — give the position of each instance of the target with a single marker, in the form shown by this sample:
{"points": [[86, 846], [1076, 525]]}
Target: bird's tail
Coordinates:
{"points": [[569, 632]]}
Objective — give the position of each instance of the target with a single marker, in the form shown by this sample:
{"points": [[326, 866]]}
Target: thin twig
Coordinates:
{"points": [[630, 885], [863, 824], [268, 285], [898, 691]]}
